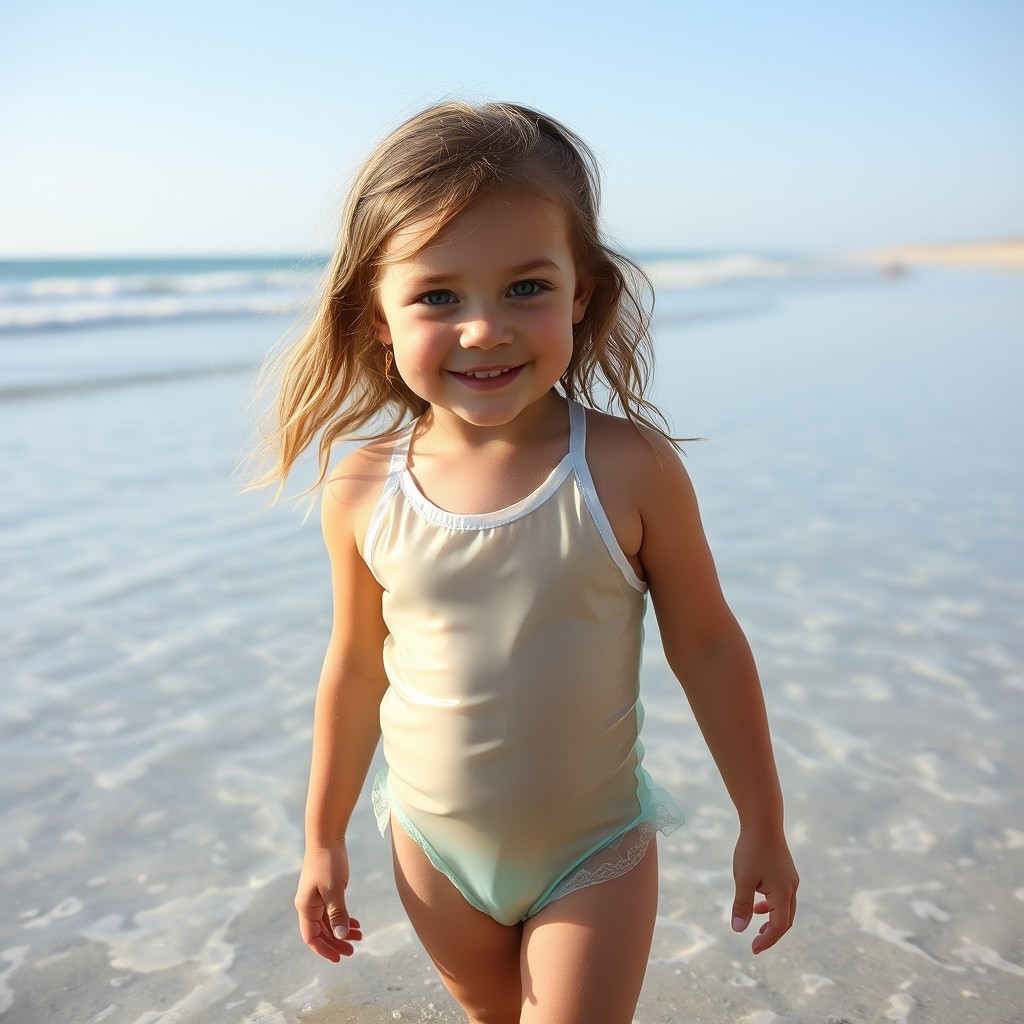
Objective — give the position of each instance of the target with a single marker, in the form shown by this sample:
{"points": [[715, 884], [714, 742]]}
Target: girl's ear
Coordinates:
{"points": [[581, 298], [383, 331]]}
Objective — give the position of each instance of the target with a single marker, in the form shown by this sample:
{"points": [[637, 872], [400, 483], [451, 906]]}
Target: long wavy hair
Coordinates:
{"points": [[335, 382]]}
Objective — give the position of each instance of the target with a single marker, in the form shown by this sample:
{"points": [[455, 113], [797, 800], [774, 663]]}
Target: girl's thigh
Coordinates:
{"points": [[477, 958], [584, 956]]}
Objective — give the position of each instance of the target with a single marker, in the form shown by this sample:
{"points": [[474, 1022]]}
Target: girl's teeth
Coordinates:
{"points": [[480, 374]]}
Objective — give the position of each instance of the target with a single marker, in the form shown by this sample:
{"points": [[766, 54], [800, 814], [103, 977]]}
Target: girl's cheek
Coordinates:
{"points": [[421, 344], [433, 337]]}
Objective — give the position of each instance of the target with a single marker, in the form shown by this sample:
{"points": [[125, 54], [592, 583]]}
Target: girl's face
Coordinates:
{"points": [[480, 320]]}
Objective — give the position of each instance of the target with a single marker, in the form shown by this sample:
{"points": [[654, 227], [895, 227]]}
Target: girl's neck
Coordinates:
{"points": [[468, 469], [439, 430]]}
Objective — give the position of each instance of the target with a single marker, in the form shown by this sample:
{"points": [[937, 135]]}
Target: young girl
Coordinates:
{"points": [[490, 562]]}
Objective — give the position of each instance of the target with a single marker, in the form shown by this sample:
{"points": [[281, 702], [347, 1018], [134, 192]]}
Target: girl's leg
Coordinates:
{"points": [[584, 956], [477, 958]]}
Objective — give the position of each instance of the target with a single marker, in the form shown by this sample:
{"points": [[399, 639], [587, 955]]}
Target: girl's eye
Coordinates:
{"points": [[441, 298], [523, 289]]}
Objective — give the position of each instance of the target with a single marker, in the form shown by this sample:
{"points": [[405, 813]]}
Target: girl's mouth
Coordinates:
{"points": [[488, 378]]}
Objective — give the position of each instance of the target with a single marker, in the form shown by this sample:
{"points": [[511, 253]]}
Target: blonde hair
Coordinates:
{"points": [[335, 382]]}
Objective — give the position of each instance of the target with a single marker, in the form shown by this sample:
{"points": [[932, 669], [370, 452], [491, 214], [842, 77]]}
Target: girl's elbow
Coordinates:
{"points": [[694, 655]]}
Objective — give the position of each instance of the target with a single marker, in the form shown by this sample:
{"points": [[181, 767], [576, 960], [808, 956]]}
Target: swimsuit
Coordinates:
{"points": [[511, 723]]}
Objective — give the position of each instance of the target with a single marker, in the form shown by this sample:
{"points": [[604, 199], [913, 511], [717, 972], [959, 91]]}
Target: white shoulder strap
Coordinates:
{"points": [[396, 467], [577, 430]]}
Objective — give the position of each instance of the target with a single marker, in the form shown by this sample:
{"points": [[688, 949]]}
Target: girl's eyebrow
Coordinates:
{"points": [[530, 267], [534, 265]]}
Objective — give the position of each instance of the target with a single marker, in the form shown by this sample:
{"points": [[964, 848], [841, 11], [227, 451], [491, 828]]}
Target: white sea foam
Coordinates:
{"points": [[389, 940], [975, 954], [699, 273], [799, 833], [679, 942], [911, 836], [265, 1013], [308, 998], [66, 908], [14, 957], [814, 983], [932, 769], [900, 1006], [273, 832], [99, 727], [187, 929], [97, 313], [838, 744], [865, 909], [928, 910], [1014, 839], [170, 293], [740, 979], [194, 1006], [873, 689], [964, 689], [160, 741]]}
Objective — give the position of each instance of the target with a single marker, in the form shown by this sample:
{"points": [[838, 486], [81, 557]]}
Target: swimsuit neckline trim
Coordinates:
{"points": [[484, 520], [573, 463], [438, 516]]}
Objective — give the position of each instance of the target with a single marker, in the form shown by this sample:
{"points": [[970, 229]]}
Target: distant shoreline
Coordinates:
{"points": [[1004, 255]]}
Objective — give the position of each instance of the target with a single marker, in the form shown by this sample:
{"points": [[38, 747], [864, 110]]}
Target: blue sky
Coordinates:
{"points": [[232, 127]]}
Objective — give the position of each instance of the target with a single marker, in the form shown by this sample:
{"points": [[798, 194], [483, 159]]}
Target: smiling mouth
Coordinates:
{"points": [[485, 374]]}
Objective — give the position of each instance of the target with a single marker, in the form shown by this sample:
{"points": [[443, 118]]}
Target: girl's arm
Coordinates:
{"points": [[346, 726], [709, 654]]}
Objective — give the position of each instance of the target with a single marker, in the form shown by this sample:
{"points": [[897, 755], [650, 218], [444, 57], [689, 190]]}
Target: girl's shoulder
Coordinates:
{"points": [[631, 453], [362, 470], [355, 484], [638, 476]]}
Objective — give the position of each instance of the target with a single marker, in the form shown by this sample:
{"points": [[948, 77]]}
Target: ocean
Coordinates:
{"points": [[861, 484]]}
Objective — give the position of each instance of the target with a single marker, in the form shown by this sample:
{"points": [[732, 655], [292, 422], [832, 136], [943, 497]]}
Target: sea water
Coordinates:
{"points": [[861, 485]]}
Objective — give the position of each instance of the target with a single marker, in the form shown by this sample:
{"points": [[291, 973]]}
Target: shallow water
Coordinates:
{"points": [[862, 489]]}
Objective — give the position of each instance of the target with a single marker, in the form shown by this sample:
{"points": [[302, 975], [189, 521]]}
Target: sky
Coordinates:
{"points": [[233, 127]]}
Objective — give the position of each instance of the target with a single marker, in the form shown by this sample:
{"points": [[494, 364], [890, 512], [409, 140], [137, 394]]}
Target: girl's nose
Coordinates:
{"points": [[485, 331]]}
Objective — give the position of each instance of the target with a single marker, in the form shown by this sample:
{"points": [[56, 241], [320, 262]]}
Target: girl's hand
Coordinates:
{"points": [[763, 864], [320, 902]]}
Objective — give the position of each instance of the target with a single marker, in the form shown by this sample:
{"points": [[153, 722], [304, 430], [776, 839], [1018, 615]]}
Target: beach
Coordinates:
{"points": [[862, 488], [1004, 255]]}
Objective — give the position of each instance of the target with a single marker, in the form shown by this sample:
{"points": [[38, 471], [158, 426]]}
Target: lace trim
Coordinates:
{"points": [[616, 858], [622, 854], [381, 801]]}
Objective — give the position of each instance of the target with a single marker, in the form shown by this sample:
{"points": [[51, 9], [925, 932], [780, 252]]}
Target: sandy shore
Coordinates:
{"points": [[1006, 254]]}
